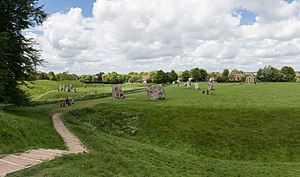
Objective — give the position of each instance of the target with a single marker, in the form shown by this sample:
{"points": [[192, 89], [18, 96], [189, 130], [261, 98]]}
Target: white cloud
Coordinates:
{"points": [[142, 35]]}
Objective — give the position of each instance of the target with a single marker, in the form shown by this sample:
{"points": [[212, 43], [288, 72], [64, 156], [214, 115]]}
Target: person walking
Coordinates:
{"points": [[68, 101], [60, 103]]}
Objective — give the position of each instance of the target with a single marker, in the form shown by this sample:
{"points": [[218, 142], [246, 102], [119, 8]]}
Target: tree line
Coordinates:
{"points": [[266, 74]]}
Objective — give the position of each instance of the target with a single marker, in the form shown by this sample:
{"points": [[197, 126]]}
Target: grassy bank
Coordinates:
{"points": [[24, 128], [45, 90]]}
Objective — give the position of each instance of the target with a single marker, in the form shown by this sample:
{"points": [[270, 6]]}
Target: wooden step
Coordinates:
{"points": [[20, 160], [7, 167], [36, 157]]}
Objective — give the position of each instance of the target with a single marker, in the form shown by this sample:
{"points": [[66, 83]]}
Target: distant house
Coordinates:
{"points": [[179, 79], [297, 77], [236, 77], [250, 79], [213, 76], [145, 79]]}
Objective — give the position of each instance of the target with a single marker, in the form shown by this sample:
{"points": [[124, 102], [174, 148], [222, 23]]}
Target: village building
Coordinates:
{"points": [[145, 79], [297, 76], [250, 79], [213, 76], [236, 77]]}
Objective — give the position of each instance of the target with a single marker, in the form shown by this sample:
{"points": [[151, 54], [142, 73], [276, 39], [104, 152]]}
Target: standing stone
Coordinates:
{"points": [[156, 92], [210, 86], [196, 86], [188, 84], [74, 89], [71, 86], [117, 92]]}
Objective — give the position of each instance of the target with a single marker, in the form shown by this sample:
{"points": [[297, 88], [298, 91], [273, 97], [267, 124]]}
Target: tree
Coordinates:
{"points": [[42, 75], [225, 73], [224, 77], [235, 71], [160, 77], [113, 77], [99, 76], [270, 74], [195, 74], [105, 77], [152, 73], [18, 58], [185, 75], [66, 76], [51, 76], [132, 74], [168, 77], [173, 76], [289, 73], [221, 79], [203, 74], [133, 79]]}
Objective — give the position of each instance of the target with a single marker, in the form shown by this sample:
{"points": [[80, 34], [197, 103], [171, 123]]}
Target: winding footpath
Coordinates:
{"points": [[14, 162]]}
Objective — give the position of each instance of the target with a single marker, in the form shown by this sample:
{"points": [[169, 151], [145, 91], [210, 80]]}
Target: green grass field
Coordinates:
{"points": [[244, 130]]}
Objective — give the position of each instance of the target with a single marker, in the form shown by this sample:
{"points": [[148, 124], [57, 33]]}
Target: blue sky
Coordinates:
{"points": [[52, 6], [247, 17]]}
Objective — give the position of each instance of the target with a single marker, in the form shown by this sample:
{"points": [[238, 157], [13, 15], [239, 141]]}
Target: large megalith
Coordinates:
{"points": [[117, 92], [156, 92]]}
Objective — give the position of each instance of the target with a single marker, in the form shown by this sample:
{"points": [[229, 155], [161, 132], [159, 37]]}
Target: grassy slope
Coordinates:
{"points": [[47, 90], [245, 130], [40, 87], [27, 128]]}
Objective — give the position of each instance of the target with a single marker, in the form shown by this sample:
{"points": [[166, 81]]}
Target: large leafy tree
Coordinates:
{"points": [[225, 73], [235, 71], [203, 74], [289, 73], [185, 75], [17, 55], [195, 74], [160, 77], [173, 76], [269, 74]]}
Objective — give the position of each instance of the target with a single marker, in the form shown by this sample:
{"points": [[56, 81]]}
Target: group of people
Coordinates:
{"points": [[67, 101]]}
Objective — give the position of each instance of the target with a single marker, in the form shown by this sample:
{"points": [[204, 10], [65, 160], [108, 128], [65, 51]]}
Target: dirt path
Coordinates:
{"points": [[14, 162]]}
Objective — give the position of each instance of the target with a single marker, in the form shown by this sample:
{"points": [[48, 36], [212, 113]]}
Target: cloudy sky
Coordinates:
{"points": [[89, 36]]}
